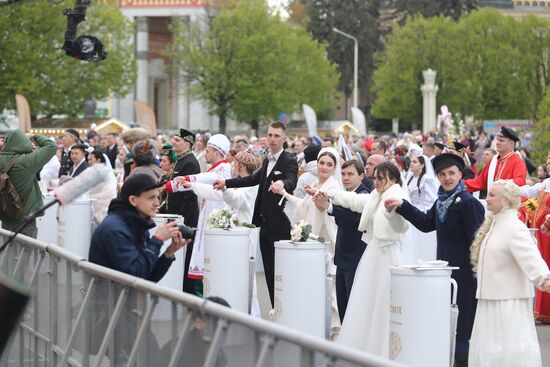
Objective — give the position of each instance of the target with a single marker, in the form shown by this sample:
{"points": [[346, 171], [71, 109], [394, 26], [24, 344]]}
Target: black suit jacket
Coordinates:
{"points": [[349, 246], [184, 203], [66, 163], [266, 207], [111, 154]]}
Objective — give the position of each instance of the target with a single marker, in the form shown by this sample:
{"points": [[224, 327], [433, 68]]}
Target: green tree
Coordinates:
{"points": [[483, 68], [33, 64], [418, 45], [541, 131], [534, 49], [357, 18], [248, 64], [431, 8]]}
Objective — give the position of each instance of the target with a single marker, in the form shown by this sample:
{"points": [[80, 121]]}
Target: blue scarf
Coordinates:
{"points": [[446, 198]]}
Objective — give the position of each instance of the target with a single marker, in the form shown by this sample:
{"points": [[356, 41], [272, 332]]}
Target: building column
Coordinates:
{"points": [[142, 47], [429, 92], [180, 85]]}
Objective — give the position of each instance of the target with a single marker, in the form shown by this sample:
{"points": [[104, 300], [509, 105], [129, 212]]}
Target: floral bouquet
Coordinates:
{"points": [[301, 232], [530, 207], [225, 218]]}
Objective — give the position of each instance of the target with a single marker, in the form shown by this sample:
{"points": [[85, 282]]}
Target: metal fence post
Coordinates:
{"points": [[83, 308], [176, 352], [216, 343], [110, 332], [54, 337], [267, 344], [142, 333]]}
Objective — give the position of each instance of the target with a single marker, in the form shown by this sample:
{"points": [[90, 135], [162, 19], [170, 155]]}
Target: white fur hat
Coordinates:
{"points": [[220, 143]]}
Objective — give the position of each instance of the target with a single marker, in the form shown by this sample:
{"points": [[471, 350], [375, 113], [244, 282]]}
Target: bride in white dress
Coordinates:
{"points": [[367, 321], [422, 188]]}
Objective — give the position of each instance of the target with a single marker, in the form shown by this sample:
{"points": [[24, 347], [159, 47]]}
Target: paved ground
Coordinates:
{"points": [[543, 331]]}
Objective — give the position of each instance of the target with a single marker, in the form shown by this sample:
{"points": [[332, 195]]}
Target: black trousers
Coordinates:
{"points": [[344, 282], [267, 247], [189, 285]]}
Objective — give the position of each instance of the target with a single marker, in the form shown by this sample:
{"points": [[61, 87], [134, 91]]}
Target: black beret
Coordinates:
{"points": [[508, 133], [447, 160], [440, 145], [311, 152]]}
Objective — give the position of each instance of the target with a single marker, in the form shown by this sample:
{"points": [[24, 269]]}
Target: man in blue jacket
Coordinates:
{"points": [[122, 241], [456, 216], [349, 247]]}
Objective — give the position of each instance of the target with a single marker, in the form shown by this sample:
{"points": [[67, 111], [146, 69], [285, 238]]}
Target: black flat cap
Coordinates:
{"points": [[508, 133], [447, 160], [138, 184]]}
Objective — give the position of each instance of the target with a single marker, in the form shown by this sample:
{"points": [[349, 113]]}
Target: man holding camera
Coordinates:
{"points": [[122, 241]]}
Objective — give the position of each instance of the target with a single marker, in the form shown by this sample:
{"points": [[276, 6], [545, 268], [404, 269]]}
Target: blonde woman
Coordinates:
{"points": [[506, 262]]}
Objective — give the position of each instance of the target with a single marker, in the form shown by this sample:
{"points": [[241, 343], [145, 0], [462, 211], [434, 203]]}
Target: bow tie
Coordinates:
{"points": [[272, 157]]}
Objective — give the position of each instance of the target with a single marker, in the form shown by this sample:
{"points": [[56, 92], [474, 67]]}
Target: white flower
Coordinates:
{"points": [[458, 200], [221, 218], [296, 233]]}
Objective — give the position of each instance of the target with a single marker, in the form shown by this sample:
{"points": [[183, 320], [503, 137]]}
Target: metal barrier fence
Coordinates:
{"points": [[82, 314]]}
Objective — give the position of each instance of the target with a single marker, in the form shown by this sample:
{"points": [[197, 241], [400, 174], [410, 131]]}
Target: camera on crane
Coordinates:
{"points": [[86, 47]]}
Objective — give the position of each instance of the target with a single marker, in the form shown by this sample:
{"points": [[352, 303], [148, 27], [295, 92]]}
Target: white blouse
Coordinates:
{"points": [[425, 197]]}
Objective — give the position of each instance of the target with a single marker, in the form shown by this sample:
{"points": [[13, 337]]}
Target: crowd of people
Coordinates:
{"points": [[378, 201]]}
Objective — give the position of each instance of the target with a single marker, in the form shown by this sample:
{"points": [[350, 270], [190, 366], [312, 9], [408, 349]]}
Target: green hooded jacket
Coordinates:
{"points": [[28, 164]]}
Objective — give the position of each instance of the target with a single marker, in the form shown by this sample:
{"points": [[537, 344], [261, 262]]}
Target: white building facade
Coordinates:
{"points": [[156, 84]]}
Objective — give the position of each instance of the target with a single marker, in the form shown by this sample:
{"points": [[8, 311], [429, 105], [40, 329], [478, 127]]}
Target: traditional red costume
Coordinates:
{"points": [[508, 167], [542, 192]]}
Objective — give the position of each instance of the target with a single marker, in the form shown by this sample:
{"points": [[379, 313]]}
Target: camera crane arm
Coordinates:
{"points": [[85, 48]]}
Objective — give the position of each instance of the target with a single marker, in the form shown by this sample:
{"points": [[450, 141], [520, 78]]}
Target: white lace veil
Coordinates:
{"points": [[337, 175], [429, 167]]}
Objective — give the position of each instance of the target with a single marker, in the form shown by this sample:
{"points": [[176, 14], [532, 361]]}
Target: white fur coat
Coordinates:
{"points": [[376, 222]]}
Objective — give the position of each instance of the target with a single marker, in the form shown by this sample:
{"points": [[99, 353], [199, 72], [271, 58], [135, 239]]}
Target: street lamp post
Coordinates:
{"points": [[355, 62]]}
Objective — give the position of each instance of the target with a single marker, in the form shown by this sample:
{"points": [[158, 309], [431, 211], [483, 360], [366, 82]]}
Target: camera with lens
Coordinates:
{"points": [[188, 233]]}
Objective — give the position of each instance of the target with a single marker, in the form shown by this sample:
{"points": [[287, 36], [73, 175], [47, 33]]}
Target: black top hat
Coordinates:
{"points": [[187, 135], [137, 184], [455, 145], [440, 145], [447, 160], [508, 133]]}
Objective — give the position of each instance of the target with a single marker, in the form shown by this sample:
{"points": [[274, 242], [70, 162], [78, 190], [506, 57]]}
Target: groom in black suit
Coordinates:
{"points": [[279, 169]]}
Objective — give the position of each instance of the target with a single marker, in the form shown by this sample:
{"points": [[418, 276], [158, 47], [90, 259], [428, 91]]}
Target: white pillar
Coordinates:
{"points": [[429, 92], [142, 47], [395, 126]]}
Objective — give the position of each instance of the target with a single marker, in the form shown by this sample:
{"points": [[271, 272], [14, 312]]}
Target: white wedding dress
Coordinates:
{"points": [[367, 321]]}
